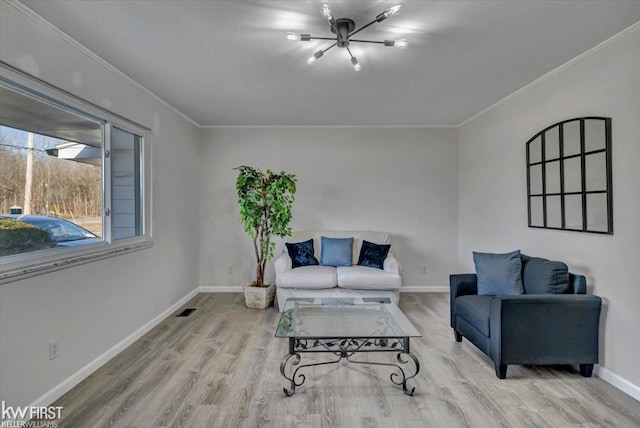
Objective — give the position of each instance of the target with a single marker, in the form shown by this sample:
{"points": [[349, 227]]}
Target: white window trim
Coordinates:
{"points": [[20, 266]]}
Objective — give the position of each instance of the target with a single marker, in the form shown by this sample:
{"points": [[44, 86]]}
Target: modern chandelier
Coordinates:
{"points": [[344, 30]]}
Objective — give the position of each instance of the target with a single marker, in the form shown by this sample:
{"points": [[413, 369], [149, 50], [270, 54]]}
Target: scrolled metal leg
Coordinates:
{"points": [[292, 379], [404, 377]]}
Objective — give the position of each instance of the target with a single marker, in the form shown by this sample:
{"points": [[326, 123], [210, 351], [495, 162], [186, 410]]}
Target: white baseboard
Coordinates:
{"points": [[220, 289], [62, 388], [424, 289], [619, 382]]}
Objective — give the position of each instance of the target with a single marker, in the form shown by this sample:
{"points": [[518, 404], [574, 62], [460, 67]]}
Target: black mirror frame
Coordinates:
{"points": [[561, 158]]}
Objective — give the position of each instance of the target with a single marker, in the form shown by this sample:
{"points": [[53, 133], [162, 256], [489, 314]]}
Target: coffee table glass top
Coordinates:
{"points": [[344, 318]]}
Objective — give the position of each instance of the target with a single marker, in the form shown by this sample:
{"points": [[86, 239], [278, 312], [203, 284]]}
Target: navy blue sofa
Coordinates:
{"points": [[528, 329]]}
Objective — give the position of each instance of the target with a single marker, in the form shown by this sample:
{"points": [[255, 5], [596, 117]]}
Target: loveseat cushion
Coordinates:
{"points": [[542, 276], [308, 277], [475, 310], [499, 274], [367, 278]]}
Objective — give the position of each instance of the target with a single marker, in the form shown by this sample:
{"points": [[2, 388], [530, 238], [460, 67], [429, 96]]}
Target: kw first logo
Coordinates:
{"points": [[21, 417]]}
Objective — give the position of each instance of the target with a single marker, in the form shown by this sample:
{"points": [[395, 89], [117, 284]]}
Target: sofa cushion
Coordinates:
{"points": [[373, 255], [308, 277], [367, 278], [336, 251], [475, 310], [542, 276], [301, 253], [498, 274]]}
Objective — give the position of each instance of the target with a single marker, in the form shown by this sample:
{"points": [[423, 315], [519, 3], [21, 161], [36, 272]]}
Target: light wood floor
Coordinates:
{"points": [[220, 368]]}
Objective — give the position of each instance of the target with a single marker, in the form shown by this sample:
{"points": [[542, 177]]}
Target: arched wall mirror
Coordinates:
{"points": [[569, 176]]}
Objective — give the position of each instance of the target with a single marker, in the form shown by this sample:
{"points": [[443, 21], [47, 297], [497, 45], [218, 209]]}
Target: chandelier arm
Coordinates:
{"points": [[325, 50], [322, 38], [354, 60], [365, 41], [349, 50], [362, 28]]}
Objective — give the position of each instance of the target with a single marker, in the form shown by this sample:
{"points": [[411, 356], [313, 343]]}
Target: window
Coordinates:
{"points": [[569, 176], [125, 184], [74, 179]]}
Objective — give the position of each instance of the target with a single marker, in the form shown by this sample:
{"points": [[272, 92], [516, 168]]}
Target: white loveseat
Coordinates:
{"points": [[343, 281]]}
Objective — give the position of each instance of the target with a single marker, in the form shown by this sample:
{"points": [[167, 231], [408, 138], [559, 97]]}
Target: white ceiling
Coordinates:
{"points": [[228, 63]]}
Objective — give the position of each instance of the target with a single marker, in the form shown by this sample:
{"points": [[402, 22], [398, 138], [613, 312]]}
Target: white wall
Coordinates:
{"points": [[92, 307], [403, 181], [493, 204]]}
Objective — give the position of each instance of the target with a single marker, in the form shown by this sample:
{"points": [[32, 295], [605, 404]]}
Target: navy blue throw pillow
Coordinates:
{"points": [[301, 253], [373, 255]]}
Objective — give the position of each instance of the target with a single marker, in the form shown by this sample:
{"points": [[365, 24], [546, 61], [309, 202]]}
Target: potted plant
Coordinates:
{"points": [[265, 200]]}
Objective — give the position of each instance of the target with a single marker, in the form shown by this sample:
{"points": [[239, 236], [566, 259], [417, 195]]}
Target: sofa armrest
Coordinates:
{"points": [[545, 329], [391, 264], [282, 263], [462, 284]]}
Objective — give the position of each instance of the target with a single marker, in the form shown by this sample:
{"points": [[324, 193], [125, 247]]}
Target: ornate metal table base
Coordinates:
{"points": [[346, 348]]}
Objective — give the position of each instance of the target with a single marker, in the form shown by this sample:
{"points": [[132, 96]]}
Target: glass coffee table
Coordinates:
{"points": [[344, 328]]}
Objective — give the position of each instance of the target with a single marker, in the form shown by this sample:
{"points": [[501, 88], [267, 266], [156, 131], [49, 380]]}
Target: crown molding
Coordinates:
{"points": [[621, 35], [93, 56], [328, 126]]}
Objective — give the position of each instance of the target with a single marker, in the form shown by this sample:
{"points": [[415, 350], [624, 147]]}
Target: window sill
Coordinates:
{"points": [[19, 273]]}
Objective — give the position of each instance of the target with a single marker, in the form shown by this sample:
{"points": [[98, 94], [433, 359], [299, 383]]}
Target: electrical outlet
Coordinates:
{"points": [[53, 349], [424, 269]]}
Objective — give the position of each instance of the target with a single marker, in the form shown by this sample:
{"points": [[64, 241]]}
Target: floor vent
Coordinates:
{"points": [[186, 312]]}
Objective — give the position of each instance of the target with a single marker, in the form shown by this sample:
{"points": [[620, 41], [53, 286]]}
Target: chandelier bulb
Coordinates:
{"points": [[315, 56], [393, 9], [356, 64], [326, 12], [387, 13], [293, 36], [400, 44]]}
